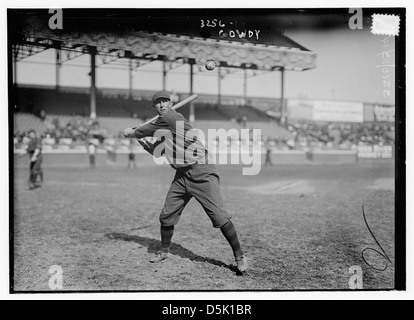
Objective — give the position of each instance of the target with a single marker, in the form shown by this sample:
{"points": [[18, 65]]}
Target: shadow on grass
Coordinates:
{"points": [[176, 249]]}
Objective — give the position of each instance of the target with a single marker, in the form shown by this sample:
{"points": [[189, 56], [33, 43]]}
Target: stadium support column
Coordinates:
{"points": [[282, 96], [245, 87], [13, 90], [131, 77], [192, 115], [92, 52], [58, 65], [219, 87], [164, 74], [15, 55]]}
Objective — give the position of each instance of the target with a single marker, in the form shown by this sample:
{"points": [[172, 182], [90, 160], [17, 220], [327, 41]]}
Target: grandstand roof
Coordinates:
{"points": [[231, 38]]}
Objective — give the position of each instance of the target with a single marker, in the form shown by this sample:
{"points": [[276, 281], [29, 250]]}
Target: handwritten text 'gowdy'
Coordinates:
{"points": [[228, 30]]}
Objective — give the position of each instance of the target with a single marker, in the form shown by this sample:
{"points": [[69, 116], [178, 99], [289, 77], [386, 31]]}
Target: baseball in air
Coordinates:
{"points": [[210, 65]]}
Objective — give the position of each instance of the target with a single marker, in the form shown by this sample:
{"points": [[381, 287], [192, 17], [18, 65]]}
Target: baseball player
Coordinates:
{"points": [[195, 177], [269, 150], [92, 153], [34, 150], [131, 157]]}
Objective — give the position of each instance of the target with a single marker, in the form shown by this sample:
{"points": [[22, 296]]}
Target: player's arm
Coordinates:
{"points": [[150, 147], [37, 150], [35, 154], [140, 132], [129, 133]]}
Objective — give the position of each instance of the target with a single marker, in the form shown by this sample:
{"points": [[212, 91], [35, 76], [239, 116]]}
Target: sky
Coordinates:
{"points": [[347, 68]]}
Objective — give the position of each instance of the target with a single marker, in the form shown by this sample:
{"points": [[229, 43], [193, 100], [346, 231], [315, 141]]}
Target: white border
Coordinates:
{"points": [[4, 224]]}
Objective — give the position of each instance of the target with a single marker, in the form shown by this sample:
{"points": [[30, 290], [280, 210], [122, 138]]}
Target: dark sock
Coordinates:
{"points": [[33, 178], [230, 234], [166, 236]]}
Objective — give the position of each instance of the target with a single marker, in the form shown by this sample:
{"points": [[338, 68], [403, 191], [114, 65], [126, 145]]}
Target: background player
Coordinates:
{"points": [[195, 177], [131, 157], [92, 154], [34, 150], [269, 150]]}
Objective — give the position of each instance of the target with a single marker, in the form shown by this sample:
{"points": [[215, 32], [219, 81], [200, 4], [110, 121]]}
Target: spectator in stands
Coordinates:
{"points": [[34, 150], [237, 119], [55, 122], [18, 136], [291, 144], [42, 115]]}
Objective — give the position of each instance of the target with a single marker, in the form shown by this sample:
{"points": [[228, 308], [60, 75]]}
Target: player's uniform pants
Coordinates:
{"points": [[202, 182], [92, 160], [36, 168]]}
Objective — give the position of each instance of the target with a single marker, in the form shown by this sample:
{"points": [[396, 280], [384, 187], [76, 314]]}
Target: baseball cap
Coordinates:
{"points": [[161, 94]]}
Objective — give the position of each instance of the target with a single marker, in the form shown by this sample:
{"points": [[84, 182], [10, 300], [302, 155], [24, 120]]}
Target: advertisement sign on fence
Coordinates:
{"points": [[384, 113], [338, 111], [375, 152]]}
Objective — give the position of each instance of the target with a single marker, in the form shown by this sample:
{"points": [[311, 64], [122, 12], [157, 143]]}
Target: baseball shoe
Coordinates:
{"points": [[159, 256], [242, 264], [31, 187]]}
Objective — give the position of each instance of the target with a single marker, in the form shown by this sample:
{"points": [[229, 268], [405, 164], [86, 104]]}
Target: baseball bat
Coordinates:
{"points": [[176, 106]]}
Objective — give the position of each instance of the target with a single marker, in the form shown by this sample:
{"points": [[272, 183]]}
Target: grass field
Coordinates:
{"points": [[300, 225]]}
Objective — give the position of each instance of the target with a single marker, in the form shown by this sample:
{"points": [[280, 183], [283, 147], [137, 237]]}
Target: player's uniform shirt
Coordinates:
{"points": [[92, 149], [35, 143], [178, 149]]}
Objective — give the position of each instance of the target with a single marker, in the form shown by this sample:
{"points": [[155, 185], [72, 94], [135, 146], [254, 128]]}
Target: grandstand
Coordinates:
{"points": [[117, 110], [66, 116], [26, 121], [271, 129], [118, 103]]}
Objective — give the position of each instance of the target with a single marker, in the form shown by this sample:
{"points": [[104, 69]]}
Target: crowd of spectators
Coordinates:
{"points": [[342, 135], [303, 134], [78, 129]]}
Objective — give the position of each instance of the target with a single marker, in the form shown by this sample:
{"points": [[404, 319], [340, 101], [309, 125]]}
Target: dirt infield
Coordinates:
{"points": [[301, 226]]}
